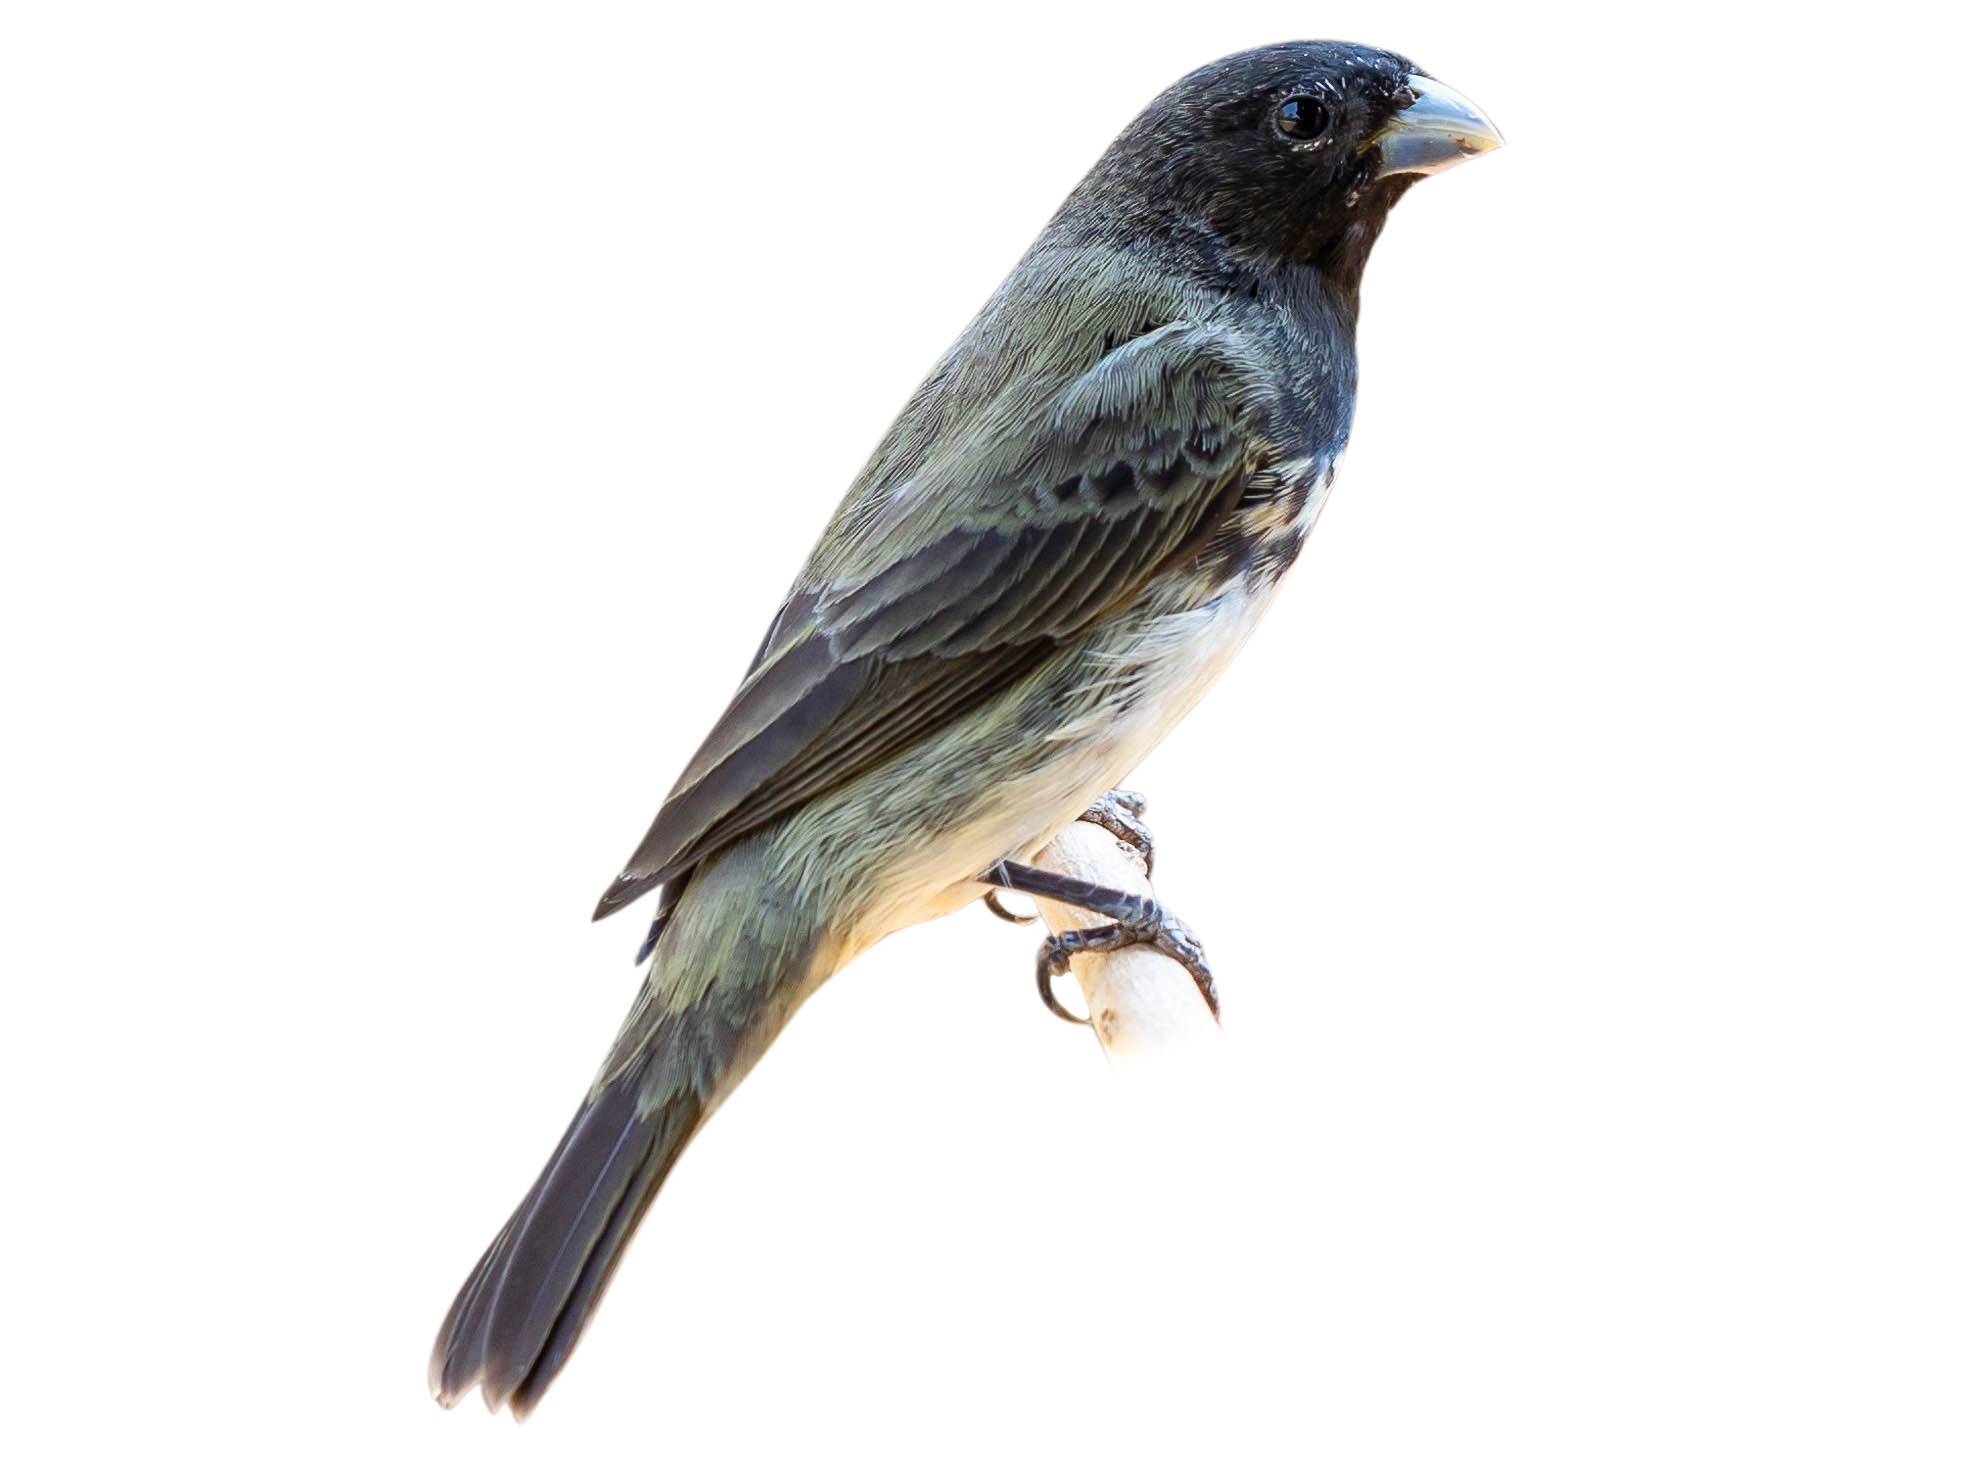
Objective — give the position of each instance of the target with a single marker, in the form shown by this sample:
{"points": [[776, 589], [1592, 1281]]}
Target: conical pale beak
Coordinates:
{"points": [[1437, 130]]}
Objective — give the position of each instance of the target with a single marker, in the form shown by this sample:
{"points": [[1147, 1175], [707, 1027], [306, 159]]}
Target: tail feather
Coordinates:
{"points": [[724, 981], [524, 1306], [591, 1284]]}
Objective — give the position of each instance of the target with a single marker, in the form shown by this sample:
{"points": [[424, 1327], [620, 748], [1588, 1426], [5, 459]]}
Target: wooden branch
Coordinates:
{"points": [[1141, 1003]]}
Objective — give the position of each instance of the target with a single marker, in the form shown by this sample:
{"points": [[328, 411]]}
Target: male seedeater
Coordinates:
{"points": [[1071, 529]]}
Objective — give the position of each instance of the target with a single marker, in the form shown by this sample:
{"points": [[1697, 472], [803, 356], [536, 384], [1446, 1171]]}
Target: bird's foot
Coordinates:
{"points": [[1137, 919], [1120, 813], [1163, 931]]}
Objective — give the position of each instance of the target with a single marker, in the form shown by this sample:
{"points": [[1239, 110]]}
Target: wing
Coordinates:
{"points": [[1007, 541]]}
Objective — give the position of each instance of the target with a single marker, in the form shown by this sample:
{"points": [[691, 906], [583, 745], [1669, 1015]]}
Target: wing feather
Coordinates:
{"points": [[1125, 470]]}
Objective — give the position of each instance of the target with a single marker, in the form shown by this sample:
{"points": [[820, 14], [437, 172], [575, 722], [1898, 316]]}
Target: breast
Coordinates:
{"points": [[1083, 722]]}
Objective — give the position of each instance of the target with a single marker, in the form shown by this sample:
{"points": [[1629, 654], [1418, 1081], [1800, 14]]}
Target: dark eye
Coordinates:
{"points": [[1303, 119]]}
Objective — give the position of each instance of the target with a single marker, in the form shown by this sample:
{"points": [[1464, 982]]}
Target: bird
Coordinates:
{"points": [[1070, 530]]}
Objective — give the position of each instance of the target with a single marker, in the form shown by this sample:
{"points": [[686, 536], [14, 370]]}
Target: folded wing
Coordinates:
{"points": [[992, 555]]}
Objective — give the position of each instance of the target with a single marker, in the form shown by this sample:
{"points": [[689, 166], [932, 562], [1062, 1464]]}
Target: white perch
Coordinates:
{"points": [[1142, 1003]]}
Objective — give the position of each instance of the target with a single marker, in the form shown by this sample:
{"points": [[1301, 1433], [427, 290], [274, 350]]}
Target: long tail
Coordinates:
{"points": [[524, 1306], [719, 991]]}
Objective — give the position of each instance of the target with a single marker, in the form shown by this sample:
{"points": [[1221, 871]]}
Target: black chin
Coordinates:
{"points": [[1348, 232]]}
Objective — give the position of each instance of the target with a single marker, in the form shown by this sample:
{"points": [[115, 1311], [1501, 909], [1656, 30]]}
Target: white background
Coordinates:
{"points": [[412, 414]]}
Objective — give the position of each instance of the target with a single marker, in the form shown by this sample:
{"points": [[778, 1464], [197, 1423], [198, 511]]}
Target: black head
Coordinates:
{"points": [[1292, 153]]}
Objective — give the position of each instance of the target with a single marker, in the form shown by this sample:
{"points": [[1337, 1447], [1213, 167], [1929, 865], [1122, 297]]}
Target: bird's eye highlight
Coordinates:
{"points": [[1303, 119]]}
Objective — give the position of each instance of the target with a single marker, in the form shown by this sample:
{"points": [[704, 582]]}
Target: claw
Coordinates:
{"points": [[1152, 926], [1138, 920], [1051, 961], [1001, 911]]}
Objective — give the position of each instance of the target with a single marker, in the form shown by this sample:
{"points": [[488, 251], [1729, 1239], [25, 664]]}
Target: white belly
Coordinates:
{"points": [[1176, 656], [1175, 660], [1112, 703]]}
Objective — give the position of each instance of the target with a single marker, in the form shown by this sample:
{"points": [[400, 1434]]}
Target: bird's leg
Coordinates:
{"points": [[1120, 813], [1138, 920]]}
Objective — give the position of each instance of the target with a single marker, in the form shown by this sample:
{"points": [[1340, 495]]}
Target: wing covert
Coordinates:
{"points": [[991, 556]]}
